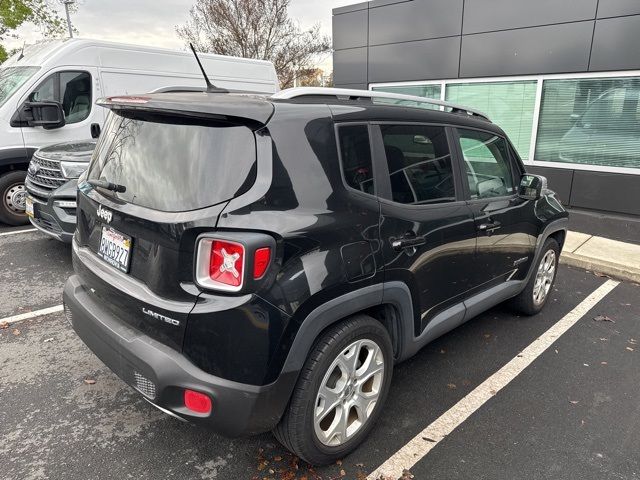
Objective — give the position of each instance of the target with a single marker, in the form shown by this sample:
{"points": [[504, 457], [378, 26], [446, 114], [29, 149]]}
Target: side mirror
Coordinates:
{"points": [[95, 130], [48, 115], [532, 186]]}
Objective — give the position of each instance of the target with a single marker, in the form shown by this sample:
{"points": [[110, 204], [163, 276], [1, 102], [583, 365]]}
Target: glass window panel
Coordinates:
{"points": [[594, 121], [356, 157], [427, 91], [419, 164], [509, 105], [486, 162]]}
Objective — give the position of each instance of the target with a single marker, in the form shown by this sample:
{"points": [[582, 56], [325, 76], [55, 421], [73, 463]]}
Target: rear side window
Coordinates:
{"points": [[355, 150], [174, 164], [487, 164], [419, 161]]}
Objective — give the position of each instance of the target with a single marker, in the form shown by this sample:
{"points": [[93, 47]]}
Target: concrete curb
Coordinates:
{"points": [[600, 255]]}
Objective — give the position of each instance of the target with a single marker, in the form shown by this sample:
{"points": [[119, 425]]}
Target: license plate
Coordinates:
{"points": [[115, 248], [28, 207]]}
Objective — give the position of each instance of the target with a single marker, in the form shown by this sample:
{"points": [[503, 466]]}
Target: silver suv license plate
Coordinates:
{"points": [[115, 248]]}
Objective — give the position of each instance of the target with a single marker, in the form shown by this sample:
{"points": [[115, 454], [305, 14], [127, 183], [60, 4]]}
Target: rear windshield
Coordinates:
{"points": [[174, 164]]}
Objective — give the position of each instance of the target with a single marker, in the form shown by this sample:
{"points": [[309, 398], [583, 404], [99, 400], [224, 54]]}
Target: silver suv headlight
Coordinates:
{"points": [[73, 169]]}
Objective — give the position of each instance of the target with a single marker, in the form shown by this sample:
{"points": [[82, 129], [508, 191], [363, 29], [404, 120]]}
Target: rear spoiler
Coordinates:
{"points": [[235, 108]]}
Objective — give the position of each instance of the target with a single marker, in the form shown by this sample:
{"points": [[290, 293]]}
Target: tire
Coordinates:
{"points": [[13, 192], [529, 302], [298, 430]]}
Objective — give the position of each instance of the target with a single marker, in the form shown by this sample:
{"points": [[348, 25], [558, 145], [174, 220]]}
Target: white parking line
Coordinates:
{"points": [[15, 232], [35, 313], [427, 439]]}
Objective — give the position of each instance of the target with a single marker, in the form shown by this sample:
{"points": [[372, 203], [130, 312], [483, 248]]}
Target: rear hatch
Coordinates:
{"points": [[175, 173]]}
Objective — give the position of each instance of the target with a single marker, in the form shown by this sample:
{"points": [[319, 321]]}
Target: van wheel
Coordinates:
{"points": [[14, 195], [340, 392], [534, 296]]}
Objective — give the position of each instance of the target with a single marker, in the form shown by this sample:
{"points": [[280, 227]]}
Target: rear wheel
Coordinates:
{"points": [[534, 296], [340, 392], [13, 198]]}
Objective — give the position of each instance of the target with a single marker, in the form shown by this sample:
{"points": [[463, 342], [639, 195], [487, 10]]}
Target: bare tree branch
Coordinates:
{"points": [[259, 29]]}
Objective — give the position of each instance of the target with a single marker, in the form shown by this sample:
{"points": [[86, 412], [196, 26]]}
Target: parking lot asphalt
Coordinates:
{"points": [[573, 413]]}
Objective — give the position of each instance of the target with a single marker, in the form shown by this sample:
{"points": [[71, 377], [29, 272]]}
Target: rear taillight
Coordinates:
{"points": [[226, 261], [232, 264], [197, 402]]}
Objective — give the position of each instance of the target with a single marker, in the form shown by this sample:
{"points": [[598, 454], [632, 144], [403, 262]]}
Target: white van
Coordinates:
{"points": [[74, 73]]}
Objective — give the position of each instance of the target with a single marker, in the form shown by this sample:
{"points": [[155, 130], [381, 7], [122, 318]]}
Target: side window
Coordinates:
{"points": [[72, 89], [355, 150], [419, 161], [75, 95], [486, 162]]}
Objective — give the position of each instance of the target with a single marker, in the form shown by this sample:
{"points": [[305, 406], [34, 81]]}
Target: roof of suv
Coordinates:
{"points": [[260, 108]]}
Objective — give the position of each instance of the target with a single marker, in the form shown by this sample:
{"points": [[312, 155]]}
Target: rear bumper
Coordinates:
{"points": [[161, 373]]}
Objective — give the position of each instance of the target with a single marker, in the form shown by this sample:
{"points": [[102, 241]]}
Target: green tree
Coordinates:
{"points": [[41, 13]]}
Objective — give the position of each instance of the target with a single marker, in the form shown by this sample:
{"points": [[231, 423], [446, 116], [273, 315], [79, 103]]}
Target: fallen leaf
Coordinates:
{"points": [[487, 335], [604, 318], [492, 392], [4, 325], [338, 462], [277, 458], [360, 465], [598, 274], [427, 439], [343, 473], [361, 476], [466, 382], [16, 332], [89, 381], [451, 386]]}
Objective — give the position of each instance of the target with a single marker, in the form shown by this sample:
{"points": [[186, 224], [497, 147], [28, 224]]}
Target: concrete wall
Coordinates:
{"points": [[407, 40]]}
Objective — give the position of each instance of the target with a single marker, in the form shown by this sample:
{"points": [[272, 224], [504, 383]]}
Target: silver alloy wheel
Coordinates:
{"points": [[544, 277], [349, 392], [15, 198]]}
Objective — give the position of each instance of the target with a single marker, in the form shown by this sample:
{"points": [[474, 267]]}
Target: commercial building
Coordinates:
{"points": [[562, 78]]}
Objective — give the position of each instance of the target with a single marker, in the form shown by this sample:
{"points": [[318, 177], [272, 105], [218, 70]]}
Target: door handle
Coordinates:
{"points": [[408, 242], [489, 226]]}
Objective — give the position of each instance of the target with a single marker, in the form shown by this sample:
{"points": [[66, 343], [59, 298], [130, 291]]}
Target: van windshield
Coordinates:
{"points": [[173, 163], [12, 78]]}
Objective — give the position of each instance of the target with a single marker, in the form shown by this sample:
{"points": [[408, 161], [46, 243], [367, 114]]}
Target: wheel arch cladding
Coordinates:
{"points": [[388, 303]]}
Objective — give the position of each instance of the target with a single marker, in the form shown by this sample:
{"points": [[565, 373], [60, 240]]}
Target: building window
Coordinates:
{"points": [[419, 163], [510, 105], [594, 121], [427, 91]]}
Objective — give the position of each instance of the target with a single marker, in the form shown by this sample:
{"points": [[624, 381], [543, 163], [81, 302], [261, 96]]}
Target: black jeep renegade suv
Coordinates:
{"points": [[255, 264]]}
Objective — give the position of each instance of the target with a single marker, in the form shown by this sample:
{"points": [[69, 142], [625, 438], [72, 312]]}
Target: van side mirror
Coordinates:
{"points": [[95, 130], [48, 115], [532, 186]]}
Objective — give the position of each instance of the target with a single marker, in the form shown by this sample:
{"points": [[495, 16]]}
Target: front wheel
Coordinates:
{"points": [[340, 392], [13, 198], [534, 296]]}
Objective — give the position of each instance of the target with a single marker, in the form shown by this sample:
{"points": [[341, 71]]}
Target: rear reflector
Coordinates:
{"points": [[197, 402], [261, 262]]}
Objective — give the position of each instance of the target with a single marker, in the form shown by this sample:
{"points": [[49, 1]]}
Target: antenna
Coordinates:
{"points": [[21, 52], [211, 88]]}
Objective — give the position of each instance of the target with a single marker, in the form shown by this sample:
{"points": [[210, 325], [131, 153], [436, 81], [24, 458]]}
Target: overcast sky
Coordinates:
{"points": [[153, 22]]}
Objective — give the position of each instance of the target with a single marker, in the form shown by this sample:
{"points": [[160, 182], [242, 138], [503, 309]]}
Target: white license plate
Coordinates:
{"points": [[28, 207], [115, 248]]}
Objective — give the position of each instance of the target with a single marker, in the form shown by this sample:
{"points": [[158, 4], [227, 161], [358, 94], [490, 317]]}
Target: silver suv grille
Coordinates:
{"points": [[47, 177]]}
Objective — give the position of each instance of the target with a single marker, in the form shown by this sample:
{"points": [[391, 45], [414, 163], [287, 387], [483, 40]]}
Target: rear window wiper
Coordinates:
{"points": [[107, 185]]}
